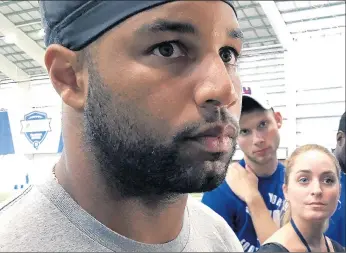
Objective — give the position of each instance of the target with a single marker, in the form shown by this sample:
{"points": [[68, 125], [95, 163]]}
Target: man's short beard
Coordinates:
{"points": [[131, 157]]}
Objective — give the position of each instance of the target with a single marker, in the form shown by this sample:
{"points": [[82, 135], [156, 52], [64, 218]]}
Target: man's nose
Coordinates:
{"points": [[217, 86], [258, 138]]}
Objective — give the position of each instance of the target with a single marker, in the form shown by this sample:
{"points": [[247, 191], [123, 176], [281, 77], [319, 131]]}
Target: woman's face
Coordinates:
{"points": [[313, 187]]}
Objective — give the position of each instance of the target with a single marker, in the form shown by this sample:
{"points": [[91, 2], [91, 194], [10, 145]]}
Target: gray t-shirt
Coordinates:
{"points": [[45, 218]]}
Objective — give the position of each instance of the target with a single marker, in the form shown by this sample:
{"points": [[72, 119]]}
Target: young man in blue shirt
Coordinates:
{"points": [[337, 223], [251, 197]]}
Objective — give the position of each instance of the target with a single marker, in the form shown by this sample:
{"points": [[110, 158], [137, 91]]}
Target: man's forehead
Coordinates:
{"points": [[254, 117], [76, 24]]}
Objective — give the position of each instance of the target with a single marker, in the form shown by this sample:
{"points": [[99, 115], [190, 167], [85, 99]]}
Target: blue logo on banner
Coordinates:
{"points": [[35, 127]]}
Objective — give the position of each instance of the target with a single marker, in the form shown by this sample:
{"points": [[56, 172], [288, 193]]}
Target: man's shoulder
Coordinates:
{"points": [[20, 217], [16, 215], [224, 201], [205, 216], [281, 167], [222, 192], [197, 207], [208, 222], [32, 222], [11, 207]]}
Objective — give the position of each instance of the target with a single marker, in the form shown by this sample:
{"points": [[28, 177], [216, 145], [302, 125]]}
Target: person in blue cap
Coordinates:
{"points": [[337, 223], [151, 103], [251, 197]]}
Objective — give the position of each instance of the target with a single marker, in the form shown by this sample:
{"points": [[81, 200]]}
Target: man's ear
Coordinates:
{"points": [[278, 119], [66, 75], [340, 139]]}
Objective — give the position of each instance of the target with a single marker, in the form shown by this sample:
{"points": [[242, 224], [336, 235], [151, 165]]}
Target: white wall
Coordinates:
{"points": [[318, 69], [38, 93]]}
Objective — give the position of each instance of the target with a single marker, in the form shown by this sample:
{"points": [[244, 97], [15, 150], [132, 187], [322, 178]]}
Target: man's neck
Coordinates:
{"points": [[138, 219], [263, 170]]}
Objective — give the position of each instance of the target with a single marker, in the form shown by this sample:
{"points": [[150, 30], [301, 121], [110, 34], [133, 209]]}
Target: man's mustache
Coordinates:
{"points": [[193, 129]]}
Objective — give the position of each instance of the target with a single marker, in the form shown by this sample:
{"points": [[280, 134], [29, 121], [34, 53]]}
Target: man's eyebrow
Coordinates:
{"points": [[168, 26], [236, 34], [163, 25]]}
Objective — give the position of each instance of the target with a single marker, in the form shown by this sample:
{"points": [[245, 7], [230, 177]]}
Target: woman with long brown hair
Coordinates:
{"points": [[312, 191]]}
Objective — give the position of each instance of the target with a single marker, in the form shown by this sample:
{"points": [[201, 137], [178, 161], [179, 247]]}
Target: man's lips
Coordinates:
{"points": [[216, 139], [221, 144], [219, 130], [261, 151]]}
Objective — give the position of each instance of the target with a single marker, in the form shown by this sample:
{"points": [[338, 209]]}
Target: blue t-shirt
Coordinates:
{"points": [[224, 202], [337, 223]]}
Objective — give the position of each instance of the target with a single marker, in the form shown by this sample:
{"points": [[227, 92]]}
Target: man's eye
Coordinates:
{"points": [[263, 124], [168, 50], [228, 55]]}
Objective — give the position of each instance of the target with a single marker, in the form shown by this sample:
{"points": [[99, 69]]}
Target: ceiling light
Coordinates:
{"points": [[41, 32], [10, 38]]}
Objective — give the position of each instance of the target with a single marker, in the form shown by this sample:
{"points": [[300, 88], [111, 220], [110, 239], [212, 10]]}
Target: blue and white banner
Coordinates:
{"points": [[31, 131], [6, 144]]}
